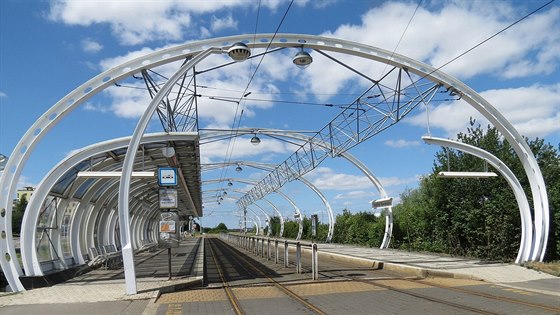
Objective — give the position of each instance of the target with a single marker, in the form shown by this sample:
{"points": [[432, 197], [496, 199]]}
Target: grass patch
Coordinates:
{"points": [[552, 267]]}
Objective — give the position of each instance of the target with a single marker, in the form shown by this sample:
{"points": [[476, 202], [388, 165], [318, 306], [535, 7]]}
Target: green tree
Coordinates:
{"points": [[17, 214], [475, 217]]}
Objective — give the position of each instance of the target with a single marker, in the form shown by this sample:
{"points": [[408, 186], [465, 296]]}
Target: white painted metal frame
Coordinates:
{"points": [[199, 50], [28, 232], [526, 244]]}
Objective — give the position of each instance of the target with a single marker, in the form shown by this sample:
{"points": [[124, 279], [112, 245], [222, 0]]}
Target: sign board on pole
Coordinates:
{"points": [[168, 198], [382, 203], [167, 176], [168, 232]]}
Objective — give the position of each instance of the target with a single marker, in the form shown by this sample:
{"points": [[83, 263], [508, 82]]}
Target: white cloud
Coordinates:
{"points": [[219, 24], [243, 149], [355, 195], [534, 111], [326, 178], [226, 83], [396, 181], [2, 94], [91, 46], [439, 34], [401, 143], [95, 108], [135, 22]]}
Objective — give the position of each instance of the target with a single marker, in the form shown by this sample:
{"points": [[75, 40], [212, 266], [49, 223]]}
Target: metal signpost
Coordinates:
{"points": [[169, 232]]}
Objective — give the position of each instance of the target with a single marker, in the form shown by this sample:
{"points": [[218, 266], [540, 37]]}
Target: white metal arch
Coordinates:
{"points": [[524, 252], [290, 201], [28, 246], [198, 51], [269, 167], [346, 155]]}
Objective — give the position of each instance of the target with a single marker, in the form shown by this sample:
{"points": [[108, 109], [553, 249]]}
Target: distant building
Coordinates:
{"points": [[25, 191]]}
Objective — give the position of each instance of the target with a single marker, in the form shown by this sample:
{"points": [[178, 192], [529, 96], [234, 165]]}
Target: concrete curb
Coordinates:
{"points": [[397, 267]]}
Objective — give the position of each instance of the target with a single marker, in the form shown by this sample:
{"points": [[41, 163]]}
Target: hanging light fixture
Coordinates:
{"points": [[239, 52], [255, 140], [225, 193], [229, 181], [303, 59], [238, 168]]}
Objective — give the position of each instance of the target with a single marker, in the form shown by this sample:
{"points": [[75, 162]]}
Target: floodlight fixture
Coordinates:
{"points": [[255, 140], [239, 52], [303, 59]]}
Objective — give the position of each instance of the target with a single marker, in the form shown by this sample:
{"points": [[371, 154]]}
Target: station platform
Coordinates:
{"points": [[103, 291]]}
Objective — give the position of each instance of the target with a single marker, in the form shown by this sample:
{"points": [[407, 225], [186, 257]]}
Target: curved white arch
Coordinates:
{"points": [[269, 167], [28, 238], [253, 182], [524, 252], [346, 155], [198, 51]]}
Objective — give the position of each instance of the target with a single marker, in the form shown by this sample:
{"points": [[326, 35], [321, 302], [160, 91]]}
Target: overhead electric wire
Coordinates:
{"points": [[487, 39], [231, 143]]}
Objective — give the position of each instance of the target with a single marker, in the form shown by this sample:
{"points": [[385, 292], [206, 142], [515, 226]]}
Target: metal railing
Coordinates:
{"points": [[256, 245]]}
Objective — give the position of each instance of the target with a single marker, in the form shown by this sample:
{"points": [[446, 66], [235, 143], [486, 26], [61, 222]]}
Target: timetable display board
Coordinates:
{"points": [[169, 235]]}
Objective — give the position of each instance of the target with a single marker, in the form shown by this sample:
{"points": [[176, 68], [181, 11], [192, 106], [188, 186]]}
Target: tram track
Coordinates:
{"points": [[445, 287], [343, 276], [225, 249], [239, 280]]}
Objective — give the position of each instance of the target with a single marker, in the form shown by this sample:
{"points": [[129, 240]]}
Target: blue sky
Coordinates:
{"points": [[48, 48]]}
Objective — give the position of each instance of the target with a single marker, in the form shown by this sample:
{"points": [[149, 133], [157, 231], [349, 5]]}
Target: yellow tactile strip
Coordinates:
{"points": [[451, 282], [331, 287], [207, 295]]}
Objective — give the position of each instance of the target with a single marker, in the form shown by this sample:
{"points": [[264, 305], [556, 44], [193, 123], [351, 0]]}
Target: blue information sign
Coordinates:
{"points": [[167, 176]]}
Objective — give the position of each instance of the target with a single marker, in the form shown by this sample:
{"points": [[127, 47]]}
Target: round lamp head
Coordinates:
{"points": [[238, 169], [239, 52], [168, 151], [255, 140], [303, 59], [230, 183]]}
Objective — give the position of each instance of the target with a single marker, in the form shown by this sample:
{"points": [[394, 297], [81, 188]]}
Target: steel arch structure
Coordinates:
{"points": [[524, 253], [269, 167], [84, 223], [214, 134], [279, 192], [341, 140]]}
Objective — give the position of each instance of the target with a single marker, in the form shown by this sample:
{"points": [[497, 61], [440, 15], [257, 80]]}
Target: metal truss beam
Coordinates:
{"points": [[376, 110]]}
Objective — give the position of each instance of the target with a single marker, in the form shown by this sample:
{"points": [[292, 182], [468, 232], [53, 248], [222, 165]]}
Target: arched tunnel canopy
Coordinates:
{"points": [[354, 124]]}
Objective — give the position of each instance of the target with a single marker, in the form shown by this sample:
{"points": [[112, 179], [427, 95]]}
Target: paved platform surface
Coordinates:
{"points": [[103, 291], [104, 285], [428, 264]]}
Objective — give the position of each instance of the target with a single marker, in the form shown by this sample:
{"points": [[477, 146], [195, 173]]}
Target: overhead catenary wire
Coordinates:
{"points": [[231, 143]]}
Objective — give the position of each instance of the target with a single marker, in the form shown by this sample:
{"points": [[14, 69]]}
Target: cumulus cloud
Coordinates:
{"points": [[401, 143], [355, 194], [243, 149], [534, 111], [219, 24], [439, 34], [3, 95], [326, 178], [160, 20], [91, 46]]}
